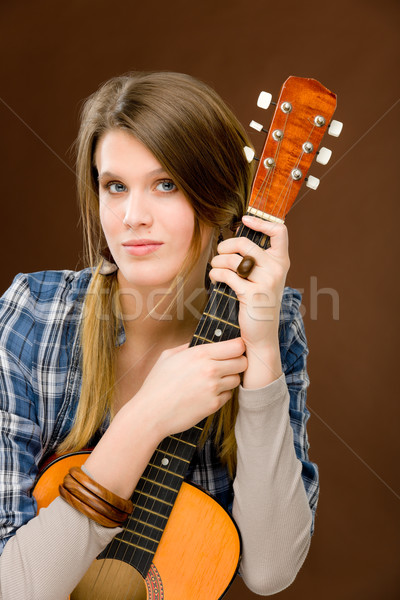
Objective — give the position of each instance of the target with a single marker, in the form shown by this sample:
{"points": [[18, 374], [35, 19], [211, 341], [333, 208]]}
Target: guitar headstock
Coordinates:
{"points": [[302, 116]]}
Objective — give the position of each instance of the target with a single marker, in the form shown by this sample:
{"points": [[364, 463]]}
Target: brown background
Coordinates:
{"points": [[342, 237]]}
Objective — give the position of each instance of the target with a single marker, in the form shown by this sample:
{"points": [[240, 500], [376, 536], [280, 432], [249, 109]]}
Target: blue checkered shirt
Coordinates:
{"points": [[40, 382]]}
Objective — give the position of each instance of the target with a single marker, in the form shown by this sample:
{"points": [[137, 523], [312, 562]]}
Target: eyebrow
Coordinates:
{"points": [[115, 176]]}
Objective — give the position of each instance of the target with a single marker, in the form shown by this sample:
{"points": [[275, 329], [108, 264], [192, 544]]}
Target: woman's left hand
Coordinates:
{"points": [[260, 294]]}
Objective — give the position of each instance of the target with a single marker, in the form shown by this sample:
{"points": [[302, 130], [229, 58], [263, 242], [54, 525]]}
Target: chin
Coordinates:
{"points": [[154, 280]]}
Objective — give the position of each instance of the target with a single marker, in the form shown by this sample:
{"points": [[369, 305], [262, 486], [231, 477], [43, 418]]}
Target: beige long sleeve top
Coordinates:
{"points": [[49, 555]]}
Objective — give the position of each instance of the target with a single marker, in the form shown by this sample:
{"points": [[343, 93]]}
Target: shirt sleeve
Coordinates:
{"points": [[20, 434], [276, 486], [48, 556], [294, 352]]}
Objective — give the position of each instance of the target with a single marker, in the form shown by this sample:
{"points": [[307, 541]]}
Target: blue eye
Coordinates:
{"points": [[166, 186], [118, 187]]}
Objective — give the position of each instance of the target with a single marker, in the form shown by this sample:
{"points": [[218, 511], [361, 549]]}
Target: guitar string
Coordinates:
{"points": [[286, 189], [264, 184], [223, 325], [270, 173], [299, 159]]}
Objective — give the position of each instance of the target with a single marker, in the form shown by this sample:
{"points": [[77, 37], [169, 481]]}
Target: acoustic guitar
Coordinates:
{"points": [[179, 543]]}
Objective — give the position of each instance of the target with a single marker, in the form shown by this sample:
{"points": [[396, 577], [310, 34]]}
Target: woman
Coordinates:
{"points": [[101, 356]]}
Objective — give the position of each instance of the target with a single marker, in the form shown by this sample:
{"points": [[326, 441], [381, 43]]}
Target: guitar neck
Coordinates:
{"points": [[219, 321]]}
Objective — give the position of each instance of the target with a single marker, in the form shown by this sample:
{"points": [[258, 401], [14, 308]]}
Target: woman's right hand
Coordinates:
{"points": [[188, 384], [184, 386]]}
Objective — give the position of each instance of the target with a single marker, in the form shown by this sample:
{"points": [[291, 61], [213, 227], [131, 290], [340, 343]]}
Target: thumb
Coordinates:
{"points": [[172, 351]]}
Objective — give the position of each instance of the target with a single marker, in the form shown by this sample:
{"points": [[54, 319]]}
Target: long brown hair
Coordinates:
{"points": [[198, 140]]}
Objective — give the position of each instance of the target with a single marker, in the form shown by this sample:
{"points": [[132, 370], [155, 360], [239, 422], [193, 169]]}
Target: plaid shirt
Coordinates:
{"points": [[40, 381]]}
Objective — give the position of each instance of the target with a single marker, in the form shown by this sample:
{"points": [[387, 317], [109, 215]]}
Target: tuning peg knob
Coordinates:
{"points": [[264, 100], [249, 153], [256, 126], [312, 182], [323, 156], [335, 128]]}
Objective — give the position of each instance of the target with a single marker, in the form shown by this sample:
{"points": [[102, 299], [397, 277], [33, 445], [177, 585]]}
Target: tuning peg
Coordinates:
{"points": [[335, 128], [249, 153], [257, 126], [323, 156], [264, 100], [312, 182]]}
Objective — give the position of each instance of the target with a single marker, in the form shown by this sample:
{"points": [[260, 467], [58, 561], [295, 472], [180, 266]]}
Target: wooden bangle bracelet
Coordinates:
{"points": [[85, 509], [98, 504], [117, 502]]}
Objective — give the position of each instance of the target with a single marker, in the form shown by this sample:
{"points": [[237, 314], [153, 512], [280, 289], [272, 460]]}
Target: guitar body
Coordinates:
{"points": [[197, 556]]}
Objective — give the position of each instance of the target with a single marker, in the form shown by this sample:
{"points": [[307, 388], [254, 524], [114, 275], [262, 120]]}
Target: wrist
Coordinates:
{"points": [[122, 454], [264, 366]]}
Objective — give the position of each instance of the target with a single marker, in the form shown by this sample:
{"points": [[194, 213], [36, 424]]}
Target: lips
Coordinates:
{"points": [[141, 247]]}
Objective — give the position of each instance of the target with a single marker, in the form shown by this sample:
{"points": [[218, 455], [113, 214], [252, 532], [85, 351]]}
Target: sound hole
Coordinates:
{"points": [[108, 578]]}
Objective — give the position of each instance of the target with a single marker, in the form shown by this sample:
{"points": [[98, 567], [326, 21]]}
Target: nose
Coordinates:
{"points": [[137, 212]]}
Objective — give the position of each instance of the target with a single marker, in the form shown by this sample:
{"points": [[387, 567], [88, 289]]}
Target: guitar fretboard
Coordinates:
{"points": [[157, 489]]}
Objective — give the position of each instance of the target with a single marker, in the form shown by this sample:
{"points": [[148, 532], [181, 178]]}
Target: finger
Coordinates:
{"points": [[239, 245], [226, 261], [172, 351], [236, 263], [230, 382], [232, 366], [236, 283], [276, 231], [224, 350], [223, 397]]}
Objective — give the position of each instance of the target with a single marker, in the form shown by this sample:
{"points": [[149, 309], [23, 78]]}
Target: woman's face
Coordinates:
{"points": [[147, 221]]}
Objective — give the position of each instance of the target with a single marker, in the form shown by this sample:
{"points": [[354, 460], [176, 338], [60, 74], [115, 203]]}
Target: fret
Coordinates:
{"points": [[183, 441], [177, 448], [152, 498], [226, 314], [225, 294], [152, 482], [190, 435], [153, 512], [145, 524], [134, 545], [173, 455], [141, 535], [202, 338], [160, 491], [166, 471], [221, 320], [172, 480], [224, 310]]}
